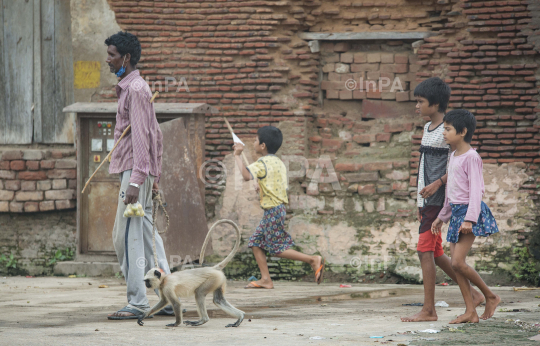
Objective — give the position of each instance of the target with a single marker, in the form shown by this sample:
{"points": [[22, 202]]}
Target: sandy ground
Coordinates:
{"points": [[73, 311]]}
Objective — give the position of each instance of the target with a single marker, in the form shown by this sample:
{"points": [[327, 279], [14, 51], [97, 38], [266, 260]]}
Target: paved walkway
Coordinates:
{"points": [[73, 311]]}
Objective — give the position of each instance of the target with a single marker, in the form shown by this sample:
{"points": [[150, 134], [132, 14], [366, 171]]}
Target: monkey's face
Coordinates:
{"points": [[153, 278]]}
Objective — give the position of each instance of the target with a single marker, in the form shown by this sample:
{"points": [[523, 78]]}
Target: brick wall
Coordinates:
{"points": [[367, 133], [488, 56], [374, 71], [245, 58], [491, 68], [37, 180]]}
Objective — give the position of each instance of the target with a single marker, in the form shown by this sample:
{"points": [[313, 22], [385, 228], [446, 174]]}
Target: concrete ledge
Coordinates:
{"points": [[386, 35], [86, 268]]}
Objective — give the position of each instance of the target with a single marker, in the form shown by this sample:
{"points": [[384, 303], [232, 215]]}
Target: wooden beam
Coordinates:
{"points": [[3, 108], [48, 127], [360, 36], [63, 73], [37, 72], [19, 64], [160, 108]]}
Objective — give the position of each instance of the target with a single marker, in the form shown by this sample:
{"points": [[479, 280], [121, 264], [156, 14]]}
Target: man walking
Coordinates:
{"points": [[137, 159]]}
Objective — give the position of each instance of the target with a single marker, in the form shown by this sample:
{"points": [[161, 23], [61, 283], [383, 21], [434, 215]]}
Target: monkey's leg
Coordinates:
{"points": [[200, 295], [223, 304], [177, 307], [152, 311]]}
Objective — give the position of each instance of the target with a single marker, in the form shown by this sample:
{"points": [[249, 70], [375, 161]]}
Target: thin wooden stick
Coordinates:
{"points": [[230, 129], [119, 139], [106, 158], [526, 288], [153, 97]]}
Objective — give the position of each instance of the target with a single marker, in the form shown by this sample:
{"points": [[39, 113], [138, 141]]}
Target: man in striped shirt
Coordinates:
{"points": [[137, 159]]}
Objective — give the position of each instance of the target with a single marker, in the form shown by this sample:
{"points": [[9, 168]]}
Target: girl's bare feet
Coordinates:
{"points": [[491, 305], [478, 298], [421, 317], [466, 317]]}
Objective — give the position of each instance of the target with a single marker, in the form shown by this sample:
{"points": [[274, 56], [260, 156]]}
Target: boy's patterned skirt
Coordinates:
{"points": [[270, 235], [485, 226]]}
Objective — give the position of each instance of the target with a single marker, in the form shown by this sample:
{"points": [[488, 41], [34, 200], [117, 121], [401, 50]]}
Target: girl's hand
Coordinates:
{"points": [[238, 148], [466, 227], [436, 226], [256, 186]]}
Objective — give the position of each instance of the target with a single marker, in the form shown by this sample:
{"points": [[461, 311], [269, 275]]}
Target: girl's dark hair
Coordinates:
{"points": [[436, 91], [126, 43], [461, 119], [272, 137]]}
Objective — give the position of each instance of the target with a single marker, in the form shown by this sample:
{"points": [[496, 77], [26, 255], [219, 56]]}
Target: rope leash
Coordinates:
{"points": [[157, 203]]}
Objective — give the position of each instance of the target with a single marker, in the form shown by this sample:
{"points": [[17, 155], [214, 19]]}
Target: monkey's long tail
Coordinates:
{"points": [[227, 259]]}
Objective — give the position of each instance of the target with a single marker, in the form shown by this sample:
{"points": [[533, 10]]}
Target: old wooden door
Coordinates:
{"points": [[36, 72]]}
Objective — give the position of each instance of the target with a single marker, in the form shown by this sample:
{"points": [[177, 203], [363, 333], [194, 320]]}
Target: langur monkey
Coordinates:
{"points": [[198, 282]]}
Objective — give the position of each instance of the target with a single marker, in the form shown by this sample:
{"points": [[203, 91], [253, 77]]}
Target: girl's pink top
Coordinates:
{"points": [[465, 185]]}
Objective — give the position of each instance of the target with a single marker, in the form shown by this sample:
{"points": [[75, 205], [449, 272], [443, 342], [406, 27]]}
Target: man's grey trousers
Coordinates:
{"points": [[132, 239]]}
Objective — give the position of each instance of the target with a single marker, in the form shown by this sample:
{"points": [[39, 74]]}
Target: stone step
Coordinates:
{"points": [[86, 268]]}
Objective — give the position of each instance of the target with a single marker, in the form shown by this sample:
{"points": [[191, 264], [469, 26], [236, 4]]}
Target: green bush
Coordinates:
{"points": [[59, 255], [526, 267], [8, 263]]}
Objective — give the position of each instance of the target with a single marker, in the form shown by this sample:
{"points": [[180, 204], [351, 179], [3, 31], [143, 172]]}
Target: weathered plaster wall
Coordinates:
{"points": [[356, 242], [34, 238], [92, 21]]}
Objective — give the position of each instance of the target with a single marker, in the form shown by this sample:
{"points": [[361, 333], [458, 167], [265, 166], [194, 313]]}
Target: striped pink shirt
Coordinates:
{"points": [[141, 149]]}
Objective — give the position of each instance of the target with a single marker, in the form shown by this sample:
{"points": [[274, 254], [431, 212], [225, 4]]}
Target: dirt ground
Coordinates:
{"points": [[73, 311]]}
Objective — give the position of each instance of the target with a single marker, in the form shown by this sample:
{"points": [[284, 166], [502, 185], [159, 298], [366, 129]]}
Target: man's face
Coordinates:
{"points": [[114, 59]]}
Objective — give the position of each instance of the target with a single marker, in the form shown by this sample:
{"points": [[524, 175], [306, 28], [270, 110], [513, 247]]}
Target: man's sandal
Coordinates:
{"points": [[129, 308]]}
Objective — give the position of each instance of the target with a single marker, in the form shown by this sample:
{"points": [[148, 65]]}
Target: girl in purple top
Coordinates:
{"points": [[469, 217]]}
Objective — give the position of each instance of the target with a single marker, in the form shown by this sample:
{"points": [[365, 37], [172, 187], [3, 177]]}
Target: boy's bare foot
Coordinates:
{"points": [[477, 297], [466, 317], [421, 317], [261, 284], [491, 305]]}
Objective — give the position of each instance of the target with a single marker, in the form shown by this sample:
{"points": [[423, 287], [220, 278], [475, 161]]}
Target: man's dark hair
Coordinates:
{"points": [[461, 119], [272, 137], [126, 43], [436, 91]]}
